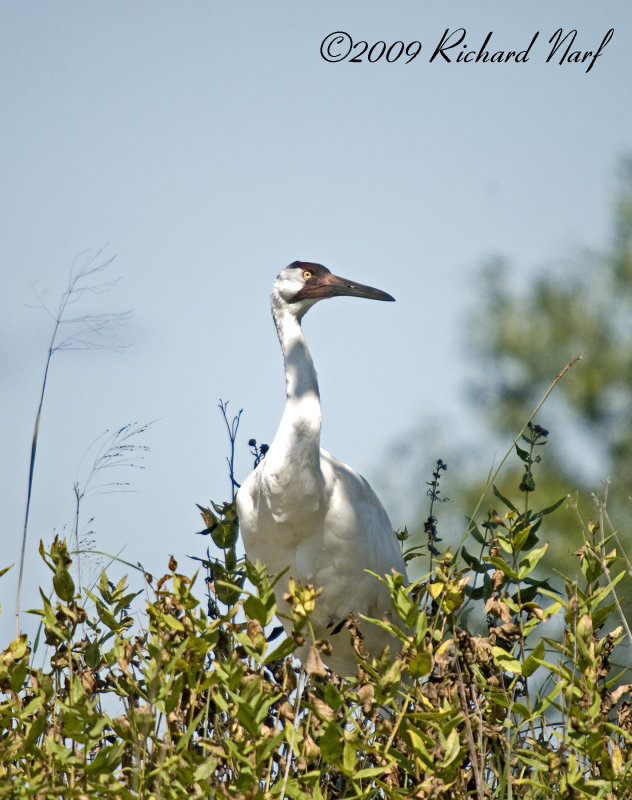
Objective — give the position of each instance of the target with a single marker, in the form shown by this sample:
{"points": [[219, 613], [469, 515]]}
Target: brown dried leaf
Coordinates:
{"points": [[366, 694], [321, 708], [312, 750], [498, 608], [498, 578], [314, 663], [253, 629], [352, 625], [508, 632], [324, 645], [482, 647], [88, 681], [624, 716], [286, 711]]}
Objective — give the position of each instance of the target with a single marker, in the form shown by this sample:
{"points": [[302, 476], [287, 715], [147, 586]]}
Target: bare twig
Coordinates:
{"points": [[232, 427], [480, 788]]}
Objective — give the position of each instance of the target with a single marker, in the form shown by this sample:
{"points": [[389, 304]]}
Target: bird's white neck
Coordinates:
{"points": [[301, 381], [293, 461]]}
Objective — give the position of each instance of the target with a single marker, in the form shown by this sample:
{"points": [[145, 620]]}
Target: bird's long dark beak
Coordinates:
{"points": [[331, 285]]}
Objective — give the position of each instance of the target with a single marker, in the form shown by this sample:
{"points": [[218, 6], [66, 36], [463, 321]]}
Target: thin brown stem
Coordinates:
{"points": [[29, 490]]}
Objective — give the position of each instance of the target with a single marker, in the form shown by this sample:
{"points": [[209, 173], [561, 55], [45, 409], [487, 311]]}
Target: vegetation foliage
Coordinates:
{"points": [[197, 697]]}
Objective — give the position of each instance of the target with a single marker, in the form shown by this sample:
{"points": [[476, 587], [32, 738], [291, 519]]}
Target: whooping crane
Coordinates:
{"points": [[303, 508]]}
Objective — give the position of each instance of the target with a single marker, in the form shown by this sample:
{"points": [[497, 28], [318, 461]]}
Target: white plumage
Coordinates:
{"points": [[303, 508]]}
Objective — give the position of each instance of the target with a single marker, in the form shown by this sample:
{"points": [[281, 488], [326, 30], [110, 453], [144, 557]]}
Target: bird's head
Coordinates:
{"points": [[303, 283]]}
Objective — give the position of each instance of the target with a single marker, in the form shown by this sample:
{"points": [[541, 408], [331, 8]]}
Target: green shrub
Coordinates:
{"points": [[503, 687]]}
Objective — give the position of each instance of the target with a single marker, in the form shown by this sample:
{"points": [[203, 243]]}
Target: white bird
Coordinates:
{"points": [[301, 508]]}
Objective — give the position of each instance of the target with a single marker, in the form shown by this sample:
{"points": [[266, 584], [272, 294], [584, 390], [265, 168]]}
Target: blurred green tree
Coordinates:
{"points": [[521, 338]]}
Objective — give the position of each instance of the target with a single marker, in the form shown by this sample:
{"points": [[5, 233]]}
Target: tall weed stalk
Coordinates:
{"points": [[79, 332]]}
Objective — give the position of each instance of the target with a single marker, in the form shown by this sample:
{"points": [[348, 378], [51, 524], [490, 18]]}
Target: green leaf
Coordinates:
{"points": [[419, 748], [106, 617], [97, 729], [474, 532], [530, 561], [225, 534], [330, 743], [19, 647], [523, 455], [501, 497], [46, 684], [333, 697], [172, 622], [372, 772], [520, 537], [50, 621], [599, 596], [349, 758], [471, 560], [63, 755], [520, 708], [599, 617], [532, 662], [35, 705], [18, 675], [503, 566], [420, 664], [92, 655], [106, 760], [227, 592], [476, 592], [405, 607], [590, 565], [421, 626], [261, 608], [286, 647], [550, 509], [205, 769], [63, 583], [452, 748], [506, 661]]}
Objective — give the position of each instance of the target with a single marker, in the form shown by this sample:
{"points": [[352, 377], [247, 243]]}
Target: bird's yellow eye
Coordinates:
{"points": [[306, 274]]}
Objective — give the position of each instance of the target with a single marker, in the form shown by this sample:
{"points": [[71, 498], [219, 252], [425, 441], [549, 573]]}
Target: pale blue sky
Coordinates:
{"points": [[208, 144]]}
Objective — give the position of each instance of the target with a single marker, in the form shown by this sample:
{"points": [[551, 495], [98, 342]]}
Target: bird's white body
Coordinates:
{"points": [[301, 508]]}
